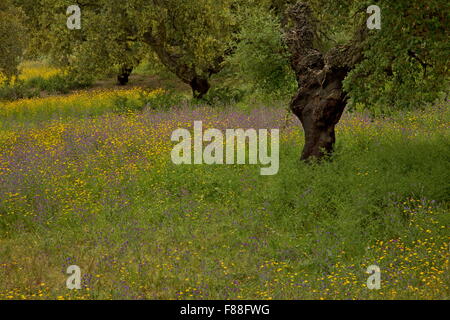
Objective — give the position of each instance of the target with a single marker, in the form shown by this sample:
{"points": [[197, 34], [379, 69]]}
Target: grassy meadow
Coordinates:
{"points": [[86, 179]]}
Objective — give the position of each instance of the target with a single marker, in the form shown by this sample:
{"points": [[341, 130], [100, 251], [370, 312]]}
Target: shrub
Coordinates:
{"points": [[261, 58], [224, 96], [154, 100], [17, 91], [57, 84]]}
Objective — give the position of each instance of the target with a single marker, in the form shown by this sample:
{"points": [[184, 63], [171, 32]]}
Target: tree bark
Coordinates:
{"points": [[320, 100], [124, 75]]}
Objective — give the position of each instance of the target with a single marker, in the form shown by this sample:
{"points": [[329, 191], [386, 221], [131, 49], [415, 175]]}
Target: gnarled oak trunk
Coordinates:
{"points": [[320, 100]]}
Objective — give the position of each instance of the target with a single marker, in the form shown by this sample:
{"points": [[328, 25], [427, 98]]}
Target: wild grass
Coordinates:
{"points": [[101, 192]]}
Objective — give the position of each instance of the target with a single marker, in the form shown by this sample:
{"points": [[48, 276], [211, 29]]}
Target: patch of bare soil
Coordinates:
{"points": [[142, 81]]}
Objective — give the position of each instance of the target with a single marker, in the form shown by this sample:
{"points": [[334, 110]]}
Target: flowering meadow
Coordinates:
{"points": [[82, 183]]}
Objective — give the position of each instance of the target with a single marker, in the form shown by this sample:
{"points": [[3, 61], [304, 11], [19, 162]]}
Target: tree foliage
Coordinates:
{"points": [[105, 43], [260, 56], [189, 38], [406, 62]]}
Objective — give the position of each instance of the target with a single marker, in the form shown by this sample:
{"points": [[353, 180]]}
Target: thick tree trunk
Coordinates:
{"points": [[200, 86], [320, 100], [124, 75]]}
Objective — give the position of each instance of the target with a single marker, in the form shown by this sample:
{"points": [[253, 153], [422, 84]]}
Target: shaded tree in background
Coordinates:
{"points": [[402, 66], [406, 64], [13, 34]]}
